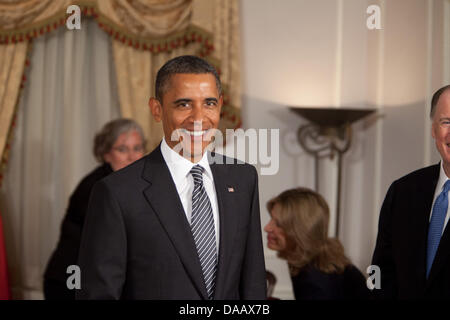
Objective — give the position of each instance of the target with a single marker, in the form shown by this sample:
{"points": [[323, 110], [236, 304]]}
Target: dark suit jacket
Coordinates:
{"points": [[66, 252], [313, 284], [137, 242], [401, 246]]}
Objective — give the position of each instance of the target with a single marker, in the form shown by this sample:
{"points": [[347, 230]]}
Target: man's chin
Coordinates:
{"points": [[446, 161], [193, 153]]}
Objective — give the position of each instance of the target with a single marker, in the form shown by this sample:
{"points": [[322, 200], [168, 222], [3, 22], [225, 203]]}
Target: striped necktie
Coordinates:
{"points": [[437, 224], [202, 226]]}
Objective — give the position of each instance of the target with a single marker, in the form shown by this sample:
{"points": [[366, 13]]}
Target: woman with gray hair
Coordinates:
{"points": [[119, 143]]}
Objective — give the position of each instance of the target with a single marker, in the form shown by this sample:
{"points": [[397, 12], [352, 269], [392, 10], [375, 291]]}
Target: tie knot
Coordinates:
{"points": [[197, 174], [446, 186]]}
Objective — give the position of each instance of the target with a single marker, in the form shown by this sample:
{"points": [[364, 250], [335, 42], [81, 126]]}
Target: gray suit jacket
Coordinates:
{"points": [[137, 242]]}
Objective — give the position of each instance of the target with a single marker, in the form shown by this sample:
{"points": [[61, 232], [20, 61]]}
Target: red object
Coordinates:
{"points": [[4, 283]]}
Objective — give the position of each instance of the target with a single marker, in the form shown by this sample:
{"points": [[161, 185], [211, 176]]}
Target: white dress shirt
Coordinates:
{"points": [[442, 179], [179, 168]]}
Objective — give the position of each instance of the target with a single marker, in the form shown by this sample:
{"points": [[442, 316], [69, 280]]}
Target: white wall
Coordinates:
{"points": [[320, 53]]}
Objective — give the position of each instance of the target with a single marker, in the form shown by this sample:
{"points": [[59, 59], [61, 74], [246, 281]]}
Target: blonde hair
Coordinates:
{"points": [[303, 216]]}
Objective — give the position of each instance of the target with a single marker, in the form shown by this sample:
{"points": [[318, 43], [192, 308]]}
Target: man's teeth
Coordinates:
{"points": [[195, 133]]}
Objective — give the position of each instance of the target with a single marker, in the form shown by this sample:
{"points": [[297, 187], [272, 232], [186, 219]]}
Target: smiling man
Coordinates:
{"points": [[189, 109], [413, 244], [175, 225]]}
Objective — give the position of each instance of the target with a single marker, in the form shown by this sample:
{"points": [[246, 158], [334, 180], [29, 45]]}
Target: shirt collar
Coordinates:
{"points": [[442, 178], [179, 166]]}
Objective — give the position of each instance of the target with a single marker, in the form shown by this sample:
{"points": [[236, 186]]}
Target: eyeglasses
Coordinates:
{"points": [[124, 149]]}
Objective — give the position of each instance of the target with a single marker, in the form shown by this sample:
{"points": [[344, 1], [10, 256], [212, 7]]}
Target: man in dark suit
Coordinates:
{"points": [[413, 243], [174, 225]]}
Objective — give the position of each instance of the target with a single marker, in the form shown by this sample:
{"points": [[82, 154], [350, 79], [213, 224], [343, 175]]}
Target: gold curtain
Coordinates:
{"points": [[148, 19], [226, 32], [12, 57], [145, 33], [20, 21]]}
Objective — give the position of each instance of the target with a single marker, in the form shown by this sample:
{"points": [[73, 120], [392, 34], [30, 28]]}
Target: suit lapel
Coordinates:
{"points": [[228, 223], [163, 197]]}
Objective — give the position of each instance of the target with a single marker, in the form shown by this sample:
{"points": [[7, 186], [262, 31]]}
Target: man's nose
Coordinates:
{"points": [[197, 113]]}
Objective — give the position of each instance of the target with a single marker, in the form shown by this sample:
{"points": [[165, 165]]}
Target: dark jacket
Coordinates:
{"points": [[138, 244], [66, 252], [312, 284], [401, 246]]}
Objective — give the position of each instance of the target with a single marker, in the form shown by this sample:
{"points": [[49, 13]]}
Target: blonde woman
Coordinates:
{"points": [[298, 231]]}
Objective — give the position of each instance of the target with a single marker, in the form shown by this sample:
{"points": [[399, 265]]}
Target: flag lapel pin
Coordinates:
{"points": [[230, 189]]}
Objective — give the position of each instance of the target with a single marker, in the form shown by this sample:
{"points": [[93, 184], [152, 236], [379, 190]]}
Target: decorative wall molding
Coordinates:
{"points": [[429, 79]]}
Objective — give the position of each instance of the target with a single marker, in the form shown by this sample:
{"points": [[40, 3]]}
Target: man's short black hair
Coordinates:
{"points": [[183, 64], [435, 99]]}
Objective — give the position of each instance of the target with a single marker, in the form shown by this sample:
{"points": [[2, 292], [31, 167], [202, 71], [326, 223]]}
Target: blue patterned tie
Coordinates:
{"points": [[437, 224], [202, 226]]}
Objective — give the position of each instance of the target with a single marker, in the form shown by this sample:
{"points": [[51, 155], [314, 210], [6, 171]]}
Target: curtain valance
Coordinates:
{"points": [[157, 26]]}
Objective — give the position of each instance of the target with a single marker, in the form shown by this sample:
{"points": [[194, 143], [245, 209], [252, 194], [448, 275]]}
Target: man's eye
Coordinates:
{"points": [[183, 104], [211, 103]]}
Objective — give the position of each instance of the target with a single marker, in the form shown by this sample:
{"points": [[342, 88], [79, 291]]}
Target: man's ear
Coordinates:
{"points": [[155, 109], [221, 101], [433, 124]]}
